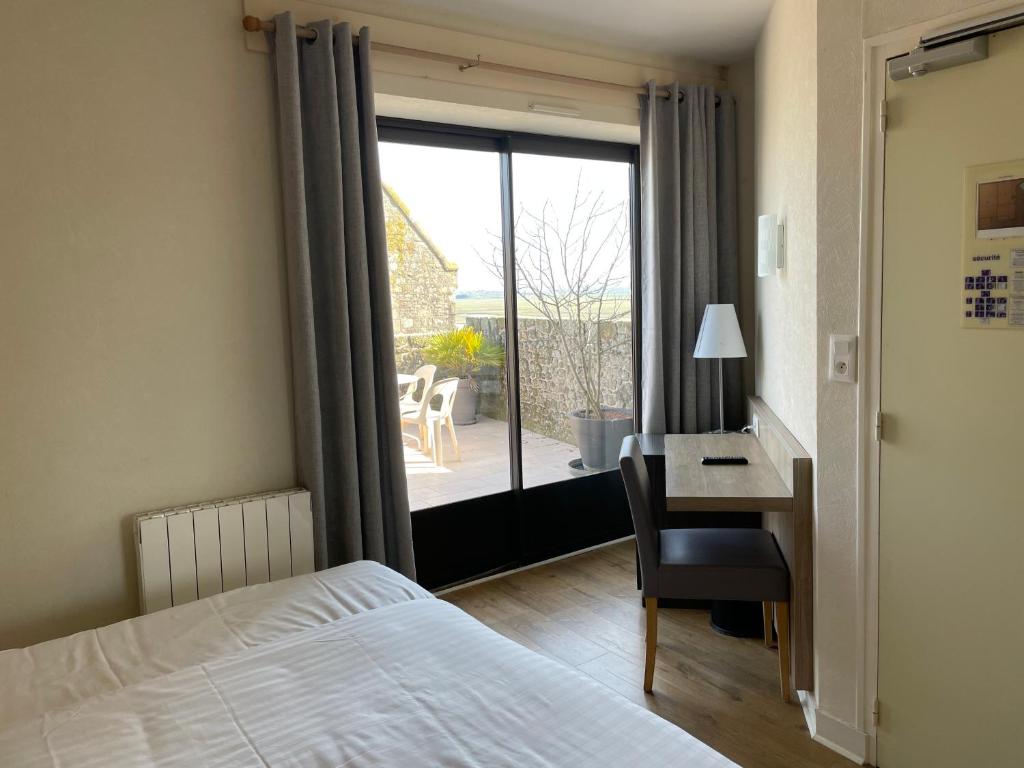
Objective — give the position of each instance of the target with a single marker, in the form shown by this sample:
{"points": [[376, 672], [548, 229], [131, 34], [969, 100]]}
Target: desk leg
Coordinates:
{"points": [[737, 618]]}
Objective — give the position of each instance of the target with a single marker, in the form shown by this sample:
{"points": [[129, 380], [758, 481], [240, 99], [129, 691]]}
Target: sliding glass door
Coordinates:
{"points": [[442, 209], [512, 267], [573, 267]]}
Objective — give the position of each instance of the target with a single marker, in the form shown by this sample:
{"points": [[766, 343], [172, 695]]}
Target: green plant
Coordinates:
{"points": [[462, 352]]}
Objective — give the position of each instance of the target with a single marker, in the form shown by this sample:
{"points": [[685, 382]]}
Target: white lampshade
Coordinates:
{"points": [[720, 333]]}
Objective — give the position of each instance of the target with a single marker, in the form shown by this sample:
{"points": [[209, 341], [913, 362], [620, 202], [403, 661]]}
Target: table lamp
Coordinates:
{"points": [[720, 337]]}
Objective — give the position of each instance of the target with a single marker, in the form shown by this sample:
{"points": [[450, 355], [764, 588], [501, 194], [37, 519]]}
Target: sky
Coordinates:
{"points": [[454, 195]]}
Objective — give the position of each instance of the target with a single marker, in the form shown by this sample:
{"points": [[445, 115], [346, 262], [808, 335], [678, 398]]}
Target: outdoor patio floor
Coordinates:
{"points": [[484, 468]]}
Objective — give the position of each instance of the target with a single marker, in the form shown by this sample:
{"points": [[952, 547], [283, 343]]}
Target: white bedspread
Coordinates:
{"points": [[63, 672], [355, 666]]}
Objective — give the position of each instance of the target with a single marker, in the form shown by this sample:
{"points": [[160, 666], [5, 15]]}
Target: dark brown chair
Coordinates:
{"points": [[703, 564]]}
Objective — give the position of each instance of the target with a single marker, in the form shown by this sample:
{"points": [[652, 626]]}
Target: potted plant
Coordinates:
{"points": [[573, 270], [463, 352]]}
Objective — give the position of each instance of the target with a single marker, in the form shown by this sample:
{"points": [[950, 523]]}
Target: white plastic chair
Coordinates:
{"points": [[446, 389], [430, 420], [408, 402]]}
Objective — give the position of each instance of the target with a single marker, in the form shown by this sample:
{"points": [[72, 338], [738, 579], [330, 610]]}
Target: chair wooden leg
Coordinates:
{"points": [[455, 441], [652, 642], [766, 610], [782, 627]]}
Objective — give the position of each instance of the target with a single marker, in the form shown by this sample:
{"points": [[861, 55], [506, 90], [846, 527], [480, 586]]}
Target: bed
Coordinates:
{"points": [[351, 666]]}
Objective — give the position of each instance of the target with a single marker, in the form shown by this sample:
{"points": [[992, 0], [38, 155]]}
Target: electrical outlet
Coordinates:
{"points": [[842, 358]]}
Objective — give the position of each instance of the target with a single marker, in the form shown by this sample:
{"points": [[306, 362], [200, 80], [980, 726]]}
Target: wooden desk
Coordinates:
{"points": [[777, 482], [692, 487]]}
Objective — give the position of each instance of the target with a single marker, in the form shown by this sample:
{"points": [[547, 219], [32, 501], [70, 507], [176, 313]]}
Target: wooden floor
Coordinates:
{"points": [[585, 612]]}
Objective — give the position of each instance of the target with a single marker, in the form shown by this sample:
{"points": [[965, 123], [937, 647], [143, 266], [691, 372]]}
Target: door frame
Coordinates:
{"points": [[877, 50]]}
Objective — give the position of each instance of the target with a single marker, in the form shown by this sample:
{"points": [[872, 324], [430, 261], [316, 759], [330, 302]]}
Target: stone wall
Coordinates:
{"points": [[423, 283], [548, 390], [409, 351]]}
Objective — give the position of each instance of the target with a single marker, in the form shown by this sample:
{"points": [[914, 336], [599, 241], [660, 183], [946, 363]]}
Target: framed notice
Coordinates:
{"points": [[992, 287]]}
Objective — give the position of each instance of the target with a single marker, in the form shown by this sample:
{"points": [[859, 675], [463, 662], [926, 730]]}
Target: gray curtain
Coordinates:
{"points": [[348, 436], [688, 254]]}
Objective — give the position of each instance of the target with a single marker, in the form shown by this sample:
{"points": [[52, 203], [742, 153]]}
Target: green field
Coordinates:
{"points": [[496, 308]]}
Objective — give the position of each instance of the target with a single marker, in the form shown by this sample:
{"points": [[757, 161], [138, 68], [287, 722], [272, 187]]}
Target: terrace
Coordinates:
{"points": [[484, 467]]}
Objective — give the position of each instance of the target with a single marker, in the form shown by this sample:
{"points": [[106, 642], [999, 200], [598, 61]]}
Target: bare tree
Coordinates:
{"points": [[569, 271]]}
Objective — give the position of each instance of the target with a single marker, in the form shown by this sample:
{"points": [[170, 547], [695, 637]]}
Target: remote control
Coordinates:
{"points": [[724, 460]]}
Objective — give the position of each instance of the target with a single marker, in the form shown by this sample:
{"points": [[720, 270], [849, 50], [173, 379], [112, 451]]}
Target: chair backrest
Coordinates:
{"points": [[423, 404], [446, 389], [424, 373], [641, 507]]}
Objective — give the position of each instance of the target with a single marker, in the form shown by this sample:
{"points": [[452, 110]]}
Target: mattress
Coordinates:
{"points": [[353, 666]]}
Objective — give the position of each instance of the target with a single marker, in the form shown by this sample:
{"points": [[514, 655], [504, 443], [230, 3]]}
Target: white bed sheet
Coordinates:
{"points": [[63, 672], [399, 679]]}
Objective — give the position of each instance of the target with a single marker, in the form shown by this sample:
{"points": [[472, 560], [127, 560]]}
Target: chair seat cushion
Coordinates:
{"points": [[721, 564]]}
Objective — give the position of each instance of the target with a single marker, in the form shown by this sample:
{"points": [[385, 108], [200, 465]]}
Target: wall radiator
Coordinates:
{"points": [[198, 550]]}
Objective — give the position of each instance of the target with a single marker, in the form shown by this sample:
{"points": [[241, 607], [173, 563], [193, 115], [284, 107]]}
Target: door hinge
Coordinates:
{"points": [[883, 115], [875, 712], [879, 421]]}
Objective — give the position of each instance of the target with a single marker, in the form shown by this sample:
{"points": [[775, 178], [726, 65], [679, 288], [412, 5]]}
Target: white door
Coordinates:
{"points": [[951, 550]]}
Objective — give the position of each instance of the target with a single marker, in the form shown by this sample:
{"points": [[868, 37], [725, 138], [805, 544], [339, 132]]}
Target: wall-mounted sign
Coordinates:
{"points": [[992, 290]]}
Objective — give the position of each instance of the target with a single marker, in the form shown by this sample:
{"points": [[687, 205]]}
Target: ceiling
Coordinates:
{"points": [[716, 31]]}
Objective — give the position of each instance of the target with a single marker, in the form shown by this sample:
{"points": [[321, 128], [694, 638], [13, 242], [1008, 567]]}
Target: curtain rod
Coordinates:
{"points": [[255, 24]]}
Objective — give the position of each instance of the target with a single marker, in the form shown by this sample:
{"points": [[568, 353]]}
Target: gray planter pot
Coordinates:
{"points": [[464, 407], [599, 440]]}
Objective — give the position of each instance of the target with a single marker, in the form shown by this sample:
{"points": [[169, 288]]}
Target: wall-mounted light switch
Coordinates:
{"points": [[842, 358]]}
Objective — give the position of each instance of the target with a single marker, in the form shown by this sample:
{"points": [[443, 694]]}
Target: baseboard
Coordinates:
{"points": [[834, 733]]}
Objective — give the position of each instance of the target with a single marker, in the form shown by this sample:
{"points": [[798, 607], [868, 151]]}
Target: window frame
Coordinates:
{"points": [[506, 144]]}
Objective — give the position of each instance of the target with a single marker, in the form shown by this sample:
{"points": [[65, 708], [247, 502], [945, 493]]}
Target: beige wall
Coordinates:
{"points": [[882, 16], [142, 313], [838, 570], [838, 637], [842, 26], [785, 152]]}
